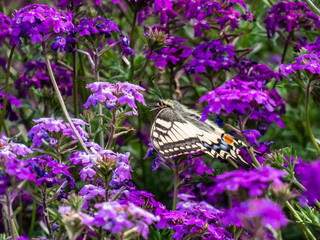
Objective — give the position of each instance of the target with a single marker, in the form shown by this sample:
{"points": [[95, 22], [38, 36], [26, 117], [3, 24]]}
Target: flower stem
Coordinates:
{"points": [[33, 216], [75, 84], [6, 86], [113, 129], [307, 107], [63, 106], [45, 212], [97, 79], [176, 183], [144, 66], [313, 7], [9, 216], [133, 27], [286, 47], [300, 221]]}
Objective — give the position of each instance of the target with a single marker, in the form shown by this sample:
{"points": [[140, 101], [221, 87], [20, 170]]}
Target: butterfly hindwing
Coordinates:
{"points": [[172, 136]]}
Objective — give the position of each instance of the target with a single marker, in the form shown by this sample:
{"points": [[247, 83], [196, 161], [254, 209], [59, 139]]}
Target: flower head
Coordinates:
{"points": [[5, 22], [310, 178], [37, 20], [113, 95]]}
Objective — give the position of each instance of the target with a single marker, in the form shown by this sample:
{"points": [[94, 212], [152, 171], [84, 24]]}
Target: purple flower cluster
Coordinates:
{"points": [[211, 54], [290, 16], [5, 22], [49, 171], [116, 164], [49, 129], [244, 96], [36, 21], [172, 54], [310, 62], [194, 219], [11, 101], [36, 76], [10, 153], [255, 213], [115, 95], [115, 217], [310, 178], [255, 181]]}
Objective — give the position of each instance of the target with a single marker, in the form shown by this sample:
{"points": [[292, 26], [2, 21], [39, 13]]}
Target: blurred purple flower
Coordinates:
{"points": [[37, 20], [5, 22], [290, 16], [36, 75], [11, 101], [255, 182], [310, 62], [310, 179], [264, 210], [252, 135], [211, 54], [60, 42], [110, 94]]}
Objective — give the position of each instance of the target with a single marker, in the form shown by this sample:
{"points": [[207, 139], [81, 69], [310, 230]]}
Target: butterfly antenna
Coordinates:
{"points": [[159, 92]]}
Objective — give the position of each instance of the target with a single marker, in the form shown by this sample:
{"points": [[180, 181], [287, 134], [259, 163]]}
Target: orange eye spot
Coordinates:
{"points": [[228, 139]]}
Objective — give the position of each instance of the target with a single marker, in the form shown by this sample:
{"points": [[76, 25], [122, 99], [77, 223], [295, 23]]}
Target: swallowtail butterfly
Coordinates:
{"points": [[177, 130]]}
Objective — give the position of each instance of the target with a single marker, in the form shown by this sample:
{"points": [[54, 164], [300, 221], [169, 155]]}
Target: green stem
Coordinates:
{"points": [[299, 221], [45, 211], [286, 47], [176, 183], [144, 66], [33, 216], [113, 129], [63, 106], [309, 131], [313, 7], [97, 79], [133, 27], [6, 86], [75, 84], [9, 215]]}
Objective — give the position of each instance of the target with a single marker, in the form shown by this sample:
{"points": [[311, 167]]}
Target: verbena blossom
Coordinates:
{"points": [[5, 22], [256, 213], [36, 75], [115, 217], [310, 62], [194, 218], [211, 54], [10, 154], [243, 97], [113, 95], [36, 21], [49, 172], [115, 165], [49, 129], [11, 101], [290, 17], [173, 54], [310, 179], [256, 181]]}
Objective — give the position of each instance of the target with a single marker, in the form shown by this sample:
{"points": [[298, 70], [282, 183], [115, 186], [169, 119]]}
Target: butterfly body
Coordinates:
{"points": [[177, 130]]}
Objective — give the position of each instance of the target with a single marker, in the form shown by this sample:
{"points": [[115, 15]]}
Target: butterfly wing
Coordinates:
{"points": [[171, 135]]}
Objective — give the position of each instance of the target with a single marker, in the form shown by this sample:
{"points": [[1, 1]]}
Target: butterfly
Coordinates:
{"points": [[177, 130]]}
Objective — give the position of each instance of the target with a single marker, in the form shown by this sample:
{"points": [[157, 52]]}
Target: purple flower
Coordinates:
{"points": [[263, 210], [60, 42], [290, 16], [310, 179], [47, 126], [252, 135], [310, 62], [11, 101], [116, 217], [243, 96], [164, 7], [231, 17], [211, 54], [110, 94], [36, 75], [255, 182], [86, 27], [5, 22], [37, 20]]}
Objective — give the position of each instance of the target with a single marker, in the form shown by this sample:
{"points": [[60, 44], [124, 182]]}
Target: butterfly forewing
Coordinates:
{"points": [[172, 136], [177, 131]]}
